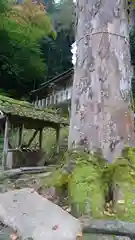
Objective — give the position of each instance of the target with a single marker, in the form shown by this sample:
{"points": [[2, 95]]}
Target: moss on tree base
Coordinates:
{"points": [[86, 191], [89, 178]]}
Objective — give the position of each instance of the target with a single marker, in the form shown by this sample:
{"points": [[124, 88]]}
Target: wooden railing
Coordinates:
{"points": [[117, 228], [54, 99]]}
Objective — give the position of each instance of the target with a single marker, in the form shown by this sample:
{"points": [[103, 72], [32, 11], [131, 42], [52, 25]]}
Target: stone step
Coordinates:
{"points": [[36, 217]]}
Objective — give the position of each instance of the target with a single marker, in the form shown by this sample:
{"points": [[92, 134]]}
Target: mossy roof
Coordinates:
{"points": [[26, 110]]}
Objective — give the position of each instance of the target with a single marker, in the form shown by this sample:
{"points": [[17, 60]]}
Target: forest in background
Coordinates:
{"points": [[35, 44]]}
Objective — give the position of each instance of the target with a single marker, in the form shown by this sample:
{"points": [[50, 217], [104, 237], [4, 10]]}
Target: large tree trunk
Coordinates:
{"points": [[101, 115]]}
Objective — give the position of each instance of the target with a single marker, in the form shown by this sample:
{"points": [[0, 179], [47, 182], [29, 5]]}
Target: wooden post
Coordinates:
{"points": [[40, 138], [5, 147], [57, 139], [20, 136], [69, 109]]}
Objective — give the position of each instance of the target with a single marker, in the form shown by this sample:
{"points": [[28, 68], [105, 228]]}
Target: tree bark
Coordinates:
{"points": [[101, 115]]}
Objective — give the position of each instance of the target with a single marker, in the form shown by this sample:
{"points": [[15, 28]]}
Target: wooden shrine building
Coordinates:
{"points": [[22, 115]]}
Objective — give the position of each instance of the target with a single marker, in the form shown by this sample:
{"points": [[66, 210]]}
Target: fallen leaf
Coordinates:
{"points": [[14, 236], [79, 236], [108, 213]]}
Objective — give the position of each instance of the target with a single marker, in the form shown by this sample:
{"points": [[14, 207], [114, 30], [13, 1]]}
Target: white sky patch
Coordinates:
{"points": [[74, 52]]}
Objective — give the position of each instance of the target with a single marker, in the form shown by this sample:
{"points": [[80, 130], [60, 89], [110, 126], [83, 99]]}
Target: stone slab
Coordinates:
{"points": [[34, 216]]}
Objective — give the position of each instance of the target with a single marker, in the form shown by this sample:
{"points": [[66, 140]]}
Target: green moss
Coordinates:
{"points": [[56, 179], [129, 154], [84, 184], [85, 190], [90, 180], [90, 183], [124, 177], [26, 109], [117, 171], [129, 197], [125, 206]]}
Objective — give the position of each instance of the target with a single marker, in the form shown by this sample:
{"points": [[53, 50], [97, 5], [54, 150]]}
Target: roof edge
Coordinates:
{"points": [[53, 80]]}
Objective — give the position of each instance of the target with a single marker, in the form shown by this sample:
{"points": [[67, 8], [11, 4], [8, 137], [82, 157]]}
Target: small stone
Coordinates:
{"points": [[121, 202], [3, 189], [68, 210]]}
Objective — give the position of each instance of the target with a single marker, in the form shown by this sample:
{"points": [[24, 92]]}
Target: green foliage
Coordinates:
{"points": [[132, 45], [31, 15], [49, 5], [4, 6], [64, 16], [30, 52], [131, 3], [21, 64], [58, 52]]}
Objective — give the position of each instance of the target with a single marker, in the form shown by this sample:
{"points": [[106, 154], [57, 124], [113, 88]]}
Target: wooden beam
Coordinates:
{"points": [[5, 147], [22, 149], [40, 138], [14, 149], [57, 139], [32, 138], [26, 170]]}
